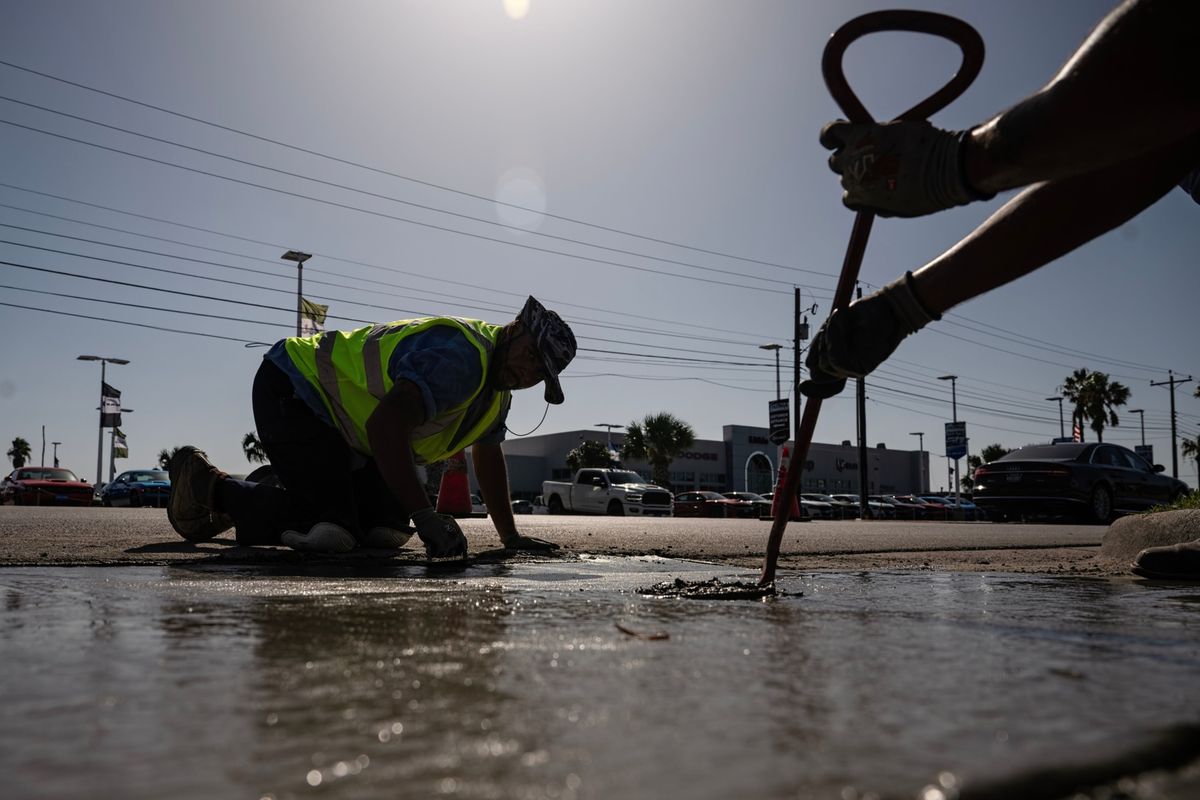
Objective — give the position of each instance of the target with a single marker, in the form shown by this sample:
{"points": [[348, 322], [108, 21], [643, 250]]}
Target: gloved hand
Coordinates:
{"points": [[899, 169], [857, 339], [520, 542], [440, 534]]}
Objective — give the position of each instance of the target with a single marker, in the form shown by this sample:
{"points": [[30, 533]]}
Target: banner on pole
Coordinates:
{"points": [[780, 419], [1077, 432], [312, 317], [110, 406], [956, 439], [120, 448]]}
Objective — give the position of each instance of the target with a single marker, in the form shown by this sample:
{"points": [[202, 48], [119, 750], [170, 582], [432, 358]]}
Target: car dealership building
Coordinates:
{"points": [[742, 460]]}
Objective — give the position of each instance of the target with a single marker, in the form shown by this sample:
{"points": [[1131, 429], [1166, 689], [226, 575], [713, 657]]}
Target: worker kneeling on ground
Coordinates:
{"points": [[344, 418]]}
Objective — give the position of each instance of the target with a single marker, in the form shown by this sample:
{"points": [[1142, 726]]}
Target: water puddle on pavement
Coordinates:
{"points": [[559, 680]]}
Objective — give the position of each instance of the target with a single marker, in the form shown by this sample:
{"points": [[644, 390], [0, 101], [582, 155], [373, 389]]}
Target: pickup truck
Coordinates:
{"points": [[616, 492]]}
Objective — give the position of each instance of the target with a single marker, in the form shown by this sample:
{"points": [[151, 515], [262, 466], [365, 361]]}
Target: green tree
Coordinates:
{"points": [[589, 453], [657, 439], [1191, 449], [253, 449], [165, 456], [18, 454], [1096, 399]]}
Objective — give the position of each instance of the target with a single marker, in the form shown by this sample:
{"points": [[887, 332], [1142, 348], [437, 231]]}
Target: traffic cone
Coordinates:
{"points": [[454, 495], [776, 497]]}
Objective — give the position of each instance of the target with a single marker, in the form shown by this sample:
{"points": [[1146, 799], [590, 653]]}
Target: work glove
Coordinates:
{"points": [[899, 169], [440, 534], [856, 339], [520, 542]]}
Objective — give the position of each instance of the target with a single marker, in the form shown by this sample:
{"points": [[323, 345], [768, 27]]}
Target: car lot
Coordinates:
{"points": [[1095, 482], [713, 504]]}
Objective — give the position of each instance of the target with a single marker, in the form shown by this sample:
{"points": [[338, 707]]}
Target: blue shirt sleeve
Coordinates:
{"points": [[445, 368]]}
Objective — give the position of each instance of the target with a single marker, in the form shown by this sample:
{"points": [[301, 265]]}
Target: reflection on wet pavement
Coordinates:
{"points": [[514, 681]]}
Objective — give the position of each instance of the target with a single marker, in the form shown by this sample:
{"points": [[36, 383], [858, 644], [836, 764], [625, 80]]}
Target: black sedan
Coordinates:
{"points": [[1096, 481]]}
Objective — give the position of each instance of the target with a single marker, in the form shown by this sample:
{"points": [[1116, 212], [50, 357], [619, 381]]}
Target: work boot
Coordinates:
{"points": [[324, 537], [191, 507], [384, 538], [1175, 562]]}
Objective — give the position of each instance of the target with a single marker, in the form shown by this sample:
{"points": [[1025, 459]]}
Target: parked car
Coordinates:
{"points": [[928, 510], [904, 509], [804, 515], [761, 503], [711, 504], [477, 505], [45, 486], [522, 507], [877, 509], [841, 508], [136, 488], [1096, 481]]}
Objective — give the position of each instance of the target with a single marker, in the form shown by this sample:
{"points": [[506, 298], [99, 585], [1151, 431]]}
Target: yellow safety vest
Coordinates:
{"points": [[349, 371]]}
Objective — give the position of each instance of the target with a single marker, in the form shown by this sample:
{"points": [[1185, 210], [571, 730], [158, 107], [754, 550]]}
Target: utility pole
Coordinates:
{"points": [[920, 461], [1172, 381], [1142, 413], [1062, 425], [56, 444]]}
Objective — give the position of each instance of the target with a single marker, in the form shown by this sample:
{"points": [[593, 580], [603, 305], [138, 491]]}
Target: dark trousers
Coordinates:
{"points": [[324, 480]]}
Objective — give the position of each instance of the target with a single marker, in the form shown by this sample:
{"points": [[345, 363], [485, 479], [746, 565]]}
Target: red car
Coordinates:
{"points": [[711, 504], [45, 486]]}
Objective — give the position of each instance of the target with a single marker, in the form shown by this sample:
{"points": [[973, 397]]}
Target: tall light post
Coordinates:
{"points": [[104, 361], [1141, 412], [954, 416], [776, 348], [610, 427], [921, 461], [1062, 425], [299, 258]]}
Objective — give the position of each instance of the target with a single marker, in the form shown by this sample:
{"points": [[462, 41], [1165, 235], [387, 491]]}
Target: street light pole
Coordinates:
{"points": [[921, 461], [954, 415], [104, 360], [776, 348], [112, 448], [610, 427], [1141, 412], [299, 258], [1062, 425]]}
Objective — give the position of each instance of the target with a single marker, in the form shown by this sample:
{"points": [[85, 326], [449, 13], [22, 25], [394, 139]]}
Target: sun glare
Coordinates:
{"points": [[516, 9]]}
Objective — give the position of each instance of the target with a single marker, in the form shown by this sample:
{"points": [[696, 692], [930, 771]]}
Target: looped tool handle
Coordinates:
{"points": [[957, 31]]}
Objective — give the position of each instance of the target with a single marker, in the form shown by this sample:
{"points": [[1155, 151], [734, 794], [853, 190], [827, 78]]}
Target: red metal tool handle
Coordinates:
{"points": [[971, 44]]}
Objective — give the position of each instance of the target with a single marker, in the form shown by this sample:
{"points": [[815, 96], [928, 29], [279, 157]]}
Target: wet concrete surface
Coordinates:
{"points": [[380, 679]]}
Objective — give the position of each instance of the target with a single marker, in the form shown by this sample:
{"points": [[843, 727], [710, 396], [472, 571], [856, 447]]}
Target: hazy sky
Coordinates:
{"points": [[674, 143]]}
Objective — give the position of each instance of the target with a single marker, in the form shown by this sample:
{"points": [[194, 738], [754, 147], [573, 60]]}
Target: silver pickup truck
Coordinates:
{"points": [[607, 491]]}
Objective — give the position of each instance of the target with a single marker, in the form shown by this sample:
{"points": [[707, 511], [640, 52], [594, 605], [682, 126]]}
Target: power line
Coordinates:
{"points": [[410, 179], [430, 225]]}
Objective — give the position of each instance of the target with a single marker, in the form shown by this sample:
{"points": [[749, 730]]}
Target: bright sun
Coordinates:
{"points": [[516, 9]]}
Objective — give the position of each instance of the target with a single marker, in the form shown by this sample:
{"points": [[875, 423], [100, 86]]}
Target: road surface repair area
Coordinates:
{"points": [[561, 680]]}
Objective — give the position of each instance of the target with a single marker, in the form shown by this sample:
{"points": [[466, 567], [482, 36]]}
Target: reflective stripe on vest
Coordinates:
{"points": [[351, 386]]}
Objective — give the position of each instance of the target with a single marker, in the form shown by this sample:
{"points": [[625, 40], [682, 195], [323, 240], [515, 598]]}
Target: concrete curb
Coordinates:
{"points": [[1129, 535]]}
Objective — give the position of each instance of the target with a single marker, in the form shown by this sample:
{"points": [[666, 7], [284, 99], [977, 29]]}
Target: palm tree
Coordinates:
{"points": [[1096, 398], [18, 454], [657, 439], [253, 449], [165, 456], [1191, 449]]}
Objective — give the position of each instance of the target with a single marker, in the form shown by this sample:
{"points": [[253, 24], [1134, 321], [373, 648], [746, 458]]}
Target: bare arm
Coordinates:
{"points": [[389, 434], [1132, 87], [492, 473], [1048, 220]]}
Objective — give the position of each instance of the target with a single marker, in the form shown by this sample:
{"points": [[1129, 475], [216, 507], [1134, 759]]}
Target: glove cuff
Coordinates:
{"points": [[909, 311], [423, 515], [946, 171]]}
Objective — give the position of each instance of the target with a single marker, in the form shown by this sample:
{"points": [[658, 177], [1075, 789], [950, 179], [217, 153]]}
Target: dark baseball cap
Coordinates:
{"points": [[555, 344]]}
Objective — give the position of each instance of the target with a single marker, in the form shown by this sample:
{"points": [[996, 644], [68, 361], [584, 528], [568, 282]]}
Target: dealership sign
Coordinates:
{"points": [[956, 440], [777, 411]]}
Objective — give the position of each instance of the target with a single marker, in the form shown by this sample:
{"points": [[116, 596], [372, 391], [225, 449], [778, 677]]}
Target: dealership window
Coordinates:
{"points": [[683, 478], [713, 477]]}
